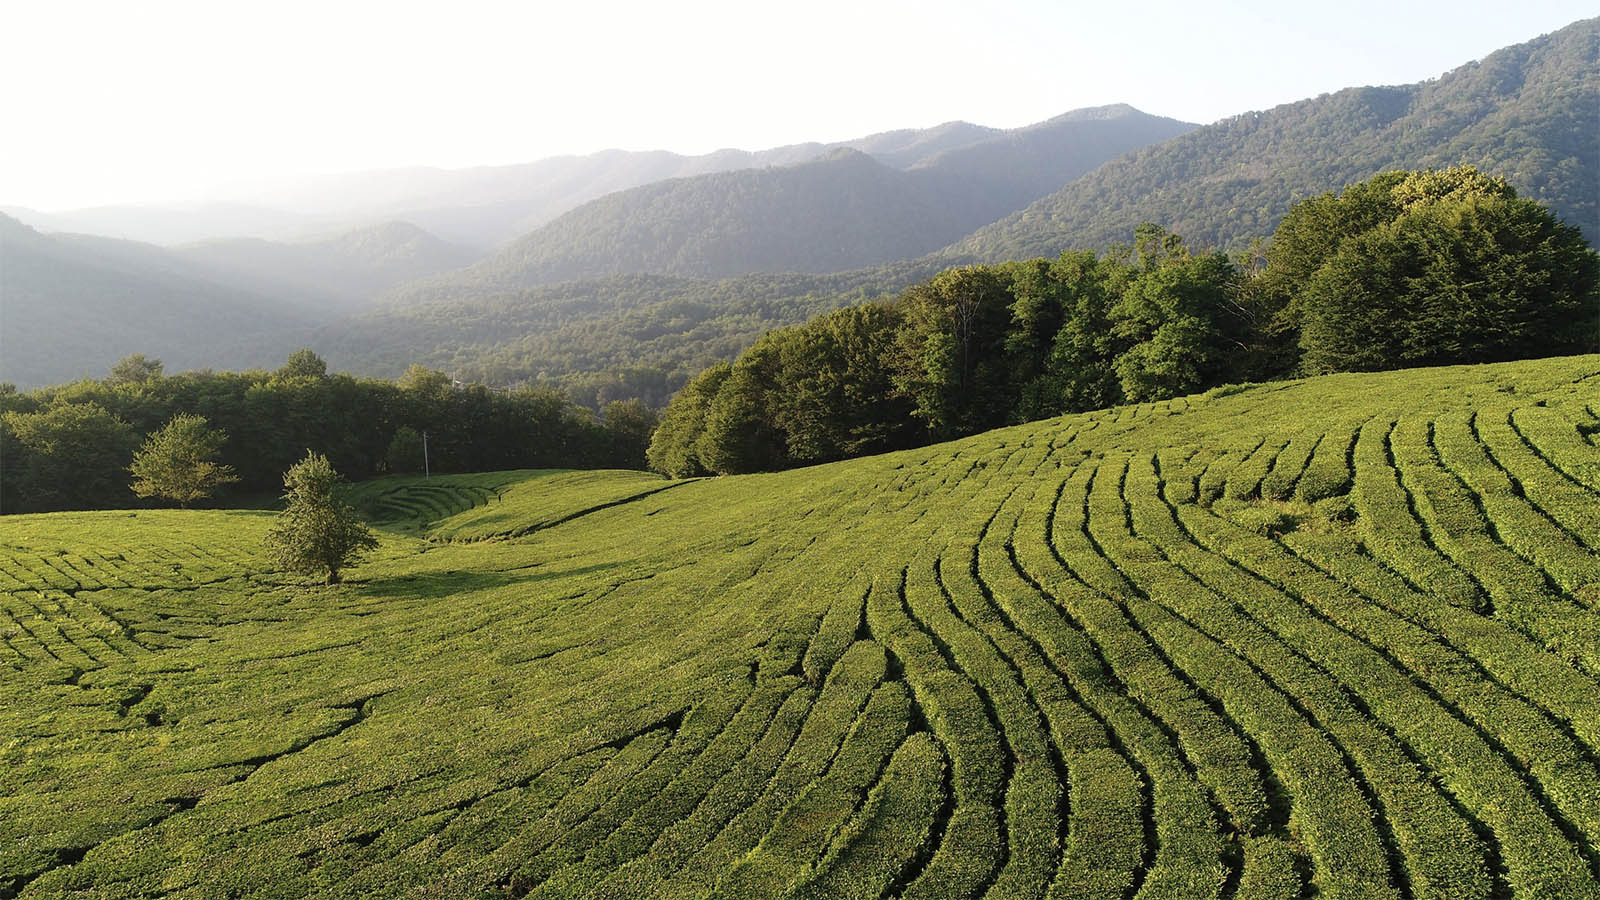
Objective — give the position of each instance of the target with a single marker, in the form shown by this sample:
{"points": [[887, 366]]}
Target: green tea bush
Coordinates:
{"points": [[1323, 637]]}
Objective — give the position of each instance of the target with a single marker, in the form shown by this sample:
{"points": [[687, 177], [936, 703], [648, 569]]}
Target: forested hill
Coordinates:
{"points": [[841, 211], [71, 305], [1530, 112], [345, 271], [601, 340], [849, 208]]}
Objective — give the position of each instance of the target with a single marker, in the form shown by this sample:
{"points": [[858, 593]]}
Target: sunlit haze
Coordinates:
{"points": [[114, 102]]}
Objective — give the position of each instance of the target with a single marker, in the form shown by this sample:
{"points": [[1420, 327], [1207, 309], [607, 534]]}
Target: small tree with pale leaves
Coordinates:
{"points": [[316, 534], [179, 461]]}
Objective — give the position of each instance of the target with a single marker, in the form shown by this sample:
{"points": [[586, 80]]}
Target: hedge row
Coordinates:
{"points": [[1559, 440], [1392, 531], [1346, 850], [1461, 531]]}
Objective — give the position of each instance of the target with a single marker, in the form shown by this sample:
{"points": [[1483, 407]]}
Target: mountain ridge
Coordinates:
{"points": [[477, 206], [74, 304], [1529, 111], [843, 209]]}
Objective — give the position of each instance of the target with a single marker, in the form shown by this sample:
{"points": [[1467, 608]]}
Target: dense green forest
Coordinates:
{"points": [[1529, 112], [69, 447], [1405, 269], [614, 338]]}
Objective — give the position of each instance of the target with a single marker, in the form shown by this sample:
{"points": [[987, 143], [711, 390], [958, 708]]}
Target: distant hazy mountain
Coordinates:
{"points": [[485, 206], [480, 207], [74, 303], [170, 225], [342, 272], [70, 306], [1530, 112], [843, 210]]}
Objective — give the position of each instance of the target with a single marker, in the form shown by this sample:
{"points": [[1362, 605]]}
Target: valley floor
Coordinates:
{"points": [[1336, 637]]}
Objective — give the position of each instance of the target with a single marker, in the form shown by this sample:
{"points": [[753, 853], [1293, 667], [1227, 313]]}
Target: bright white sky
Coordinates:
{"points": [[122, 101]]}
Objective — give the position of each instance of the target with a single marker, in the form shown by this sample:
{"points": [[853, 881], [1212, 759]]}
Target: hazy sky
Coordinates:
{"points": [[109, 102]]}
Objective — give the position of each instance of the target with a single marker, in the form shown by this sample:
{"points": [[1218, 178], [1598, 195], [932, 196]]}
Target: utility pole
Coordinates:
{"points": [[426, 472]]}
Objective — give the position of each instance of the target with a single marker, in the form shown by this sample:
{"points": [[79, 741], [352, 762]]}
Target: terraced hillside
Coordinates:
{"points": [[1338, 637]]}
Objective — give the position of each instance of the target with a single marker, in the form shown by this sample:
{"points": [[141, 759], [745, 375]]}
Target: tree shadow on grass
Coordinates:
{"points": [[443, 584]]}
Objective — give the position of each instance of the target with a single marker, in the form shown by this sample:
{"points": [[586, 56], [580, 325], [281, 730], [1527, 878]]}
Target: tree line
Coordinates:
{"points": [[1404, 269], [71, 446]]}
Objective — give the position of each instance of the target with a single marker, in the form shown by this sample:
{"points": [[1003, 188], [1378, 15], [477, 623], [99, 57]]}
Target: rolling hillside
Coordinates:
{"points": [[71, 305], [1337, 638], [1529, 112]]}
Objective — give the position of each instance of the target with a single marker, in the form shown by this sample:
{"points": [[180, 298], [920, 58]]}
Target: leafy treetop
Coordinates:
{"points": [[179, 461], [135, 368]]}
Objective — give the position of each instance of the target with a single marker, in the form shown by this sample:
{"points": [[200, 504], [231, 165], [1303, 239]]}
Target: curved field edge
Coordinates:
{"points": [[1335, 637]]}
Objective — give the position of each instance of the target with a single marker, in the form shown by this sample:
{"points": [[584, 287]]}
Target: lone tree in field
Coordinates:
{"points": [[316, 534], [179, 461]]}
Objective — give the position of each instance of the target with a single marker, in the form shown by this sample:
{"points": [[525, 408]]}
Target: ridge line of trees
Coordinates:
{"points": [[1404, 269], [71, 446]]}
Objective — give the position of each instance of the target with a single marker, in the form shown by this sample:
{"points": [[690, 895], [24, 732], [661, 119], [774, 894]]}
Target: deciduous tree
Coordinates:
{"points": [[316, 533], [405, 455], [1465, 271], [135, 368], [178, 462], [673, 446], [69, 456], [303, 363]]}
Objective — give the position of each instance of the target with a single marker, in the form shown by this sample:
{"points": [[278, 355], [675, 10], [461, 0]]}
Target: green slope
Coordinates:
{"points": [[1338, 636], [1529, 112]]}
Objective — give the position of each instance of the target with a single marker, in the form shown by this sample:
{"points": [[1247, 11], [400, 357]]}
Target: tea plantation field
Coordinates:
{"points": [[1337, 638]]}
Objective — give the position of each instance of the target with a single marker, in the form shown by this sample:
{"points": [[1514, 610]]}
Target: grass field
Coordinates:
{"points": [[1334, 638]]}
